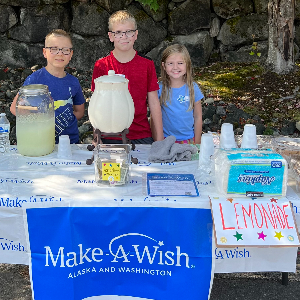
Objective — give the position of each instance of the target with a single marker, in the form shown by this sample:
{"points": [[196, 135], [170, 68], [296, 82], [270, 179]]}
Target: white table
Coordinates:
{"points": [[49, 179]]}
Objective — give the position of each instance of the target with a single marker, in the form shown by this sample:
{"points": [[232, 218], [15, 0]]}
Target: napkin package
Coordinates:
{"points": [[243, 172]]}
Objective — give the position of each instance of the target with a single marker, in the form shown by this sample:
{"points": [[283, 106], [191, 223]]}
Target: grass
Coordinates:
{"points": [[274, 98]]}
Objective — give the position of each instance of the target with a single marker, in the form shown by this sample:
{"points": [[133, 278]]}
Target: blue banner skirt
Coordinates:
{"points": [[159, 253]]}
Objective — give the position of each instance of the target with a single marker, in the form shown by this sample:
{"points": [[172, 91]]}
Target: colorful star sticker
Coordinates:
{"points": [[238, 236], [278, 235], [261, 235], [230, 200], [223, 240], [273, 200]]}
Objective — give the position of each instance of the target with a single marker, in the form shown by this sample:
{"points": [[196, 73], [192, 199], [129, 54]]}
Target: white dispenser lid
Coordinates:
{"points": [[111, 78]]}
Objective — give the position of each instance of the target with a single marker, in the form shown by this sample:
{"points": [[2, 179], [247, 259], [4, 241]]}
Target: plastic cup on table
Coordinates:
{"points": [[207, 148], [249, 140], [64, 147], [227, 140]]}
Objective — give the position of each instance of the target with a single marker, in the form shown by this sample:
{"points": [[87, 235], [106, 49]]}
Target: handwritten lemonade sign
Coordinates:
{"points": [[268, 222]]}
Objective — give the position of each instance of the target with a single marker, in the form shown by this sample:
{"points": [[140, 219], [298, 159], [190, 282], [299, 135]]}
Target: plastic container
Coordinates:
{"points": [[227, 140], [207, 148], [4, 134], [64, 147], [112, 164], [249, 140], [241, 172], [35, 122], [111, 108]]}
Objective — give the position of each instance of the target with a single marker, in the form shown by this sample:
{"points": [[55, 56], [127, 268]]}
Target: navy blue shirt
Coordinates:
{"points": [[65, 92]]}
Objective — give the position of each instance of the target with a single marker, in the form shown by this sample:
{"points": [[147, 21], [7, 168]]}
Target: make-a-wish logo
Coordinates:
{"points": [[8, 245], [121, 251], [237, 252]]}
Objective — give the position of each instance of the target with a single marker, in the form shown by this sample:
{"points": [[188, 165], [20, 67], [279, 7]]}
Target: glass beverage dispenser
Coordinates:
{"points": [[35, 122]]}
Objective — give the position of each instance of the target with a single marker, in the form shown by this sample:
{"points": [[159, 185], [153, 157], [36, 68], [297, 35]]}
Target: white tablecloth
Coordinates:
{"points": [[49, 179]]}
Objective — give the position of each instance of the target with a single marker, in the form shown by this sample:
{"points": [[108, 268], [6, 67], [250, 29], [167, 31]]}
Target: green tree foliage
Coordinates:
{"points": [[254, 50], [152, 3]]}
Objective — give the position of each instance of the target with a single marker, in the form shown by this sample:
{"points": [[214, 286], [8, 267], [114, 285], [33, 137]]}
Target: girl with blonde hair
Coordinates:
{"points": [[180, 96]]}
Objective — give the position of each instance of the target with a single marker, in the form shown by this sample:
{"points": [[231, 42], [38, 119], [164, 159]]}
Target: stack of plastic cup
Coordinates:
{"points": [[249, 137], [207, 148], [227, 140], [64, 147]]}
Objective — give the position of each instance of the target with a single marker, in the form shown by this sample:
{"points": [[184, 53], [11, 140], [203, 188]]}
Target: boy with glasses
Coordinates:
{"points": [[140, 72], [65, 89]]}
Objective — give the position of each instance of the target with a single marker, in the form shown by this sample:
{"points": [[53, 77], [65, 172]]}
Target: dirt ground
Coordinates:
{"points": [[274, 98], [15, 285]]}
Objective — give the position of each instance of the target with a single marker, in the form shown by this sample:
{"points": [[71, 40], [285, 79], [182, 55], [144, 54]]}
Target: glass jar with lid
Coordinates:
{"points": [[35, 121]]}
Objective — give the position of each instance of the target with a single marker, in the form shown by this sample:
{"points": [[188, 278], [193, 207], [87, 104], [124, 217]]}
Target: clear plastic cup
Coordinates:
{"points": [[207, 148], [64, 147], [249, 140], [227, 140]]}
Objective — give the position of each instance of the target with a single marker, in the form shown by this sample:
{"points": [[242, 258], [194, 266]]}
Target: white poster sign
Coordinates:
{"points": [[266, 222]]}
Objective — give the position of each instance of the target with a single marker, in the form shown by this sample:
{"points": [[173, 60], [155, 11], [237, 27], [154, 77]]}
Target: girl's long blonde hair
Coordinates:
{"points": [[188, 77]]}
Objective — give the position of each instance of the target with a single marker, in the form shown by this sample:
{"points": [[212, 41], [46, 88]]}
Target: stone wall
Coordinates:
{"points": [[210, 29]]}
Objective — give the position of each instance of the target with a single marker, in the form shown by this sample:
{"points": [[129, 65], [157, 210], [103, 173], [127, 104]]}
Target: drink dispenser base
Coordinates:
{"points": [[97, 140]]}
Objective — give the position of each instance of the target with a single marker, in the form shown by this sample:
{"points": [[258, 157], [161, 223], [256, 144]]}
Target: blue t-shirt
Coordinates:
{"points": [[177, 120], [65, 92]]}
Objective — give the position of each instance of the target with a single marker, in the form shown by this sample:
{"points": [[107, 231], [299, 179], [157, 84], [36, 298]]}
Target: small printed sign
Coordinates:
{"points": [[111, 171], [168, 184]]}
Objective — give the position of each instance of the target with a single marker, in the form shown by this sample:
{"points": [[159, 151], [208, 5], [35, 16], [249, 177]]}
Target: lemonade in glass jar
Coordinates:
{"points": [[35, 122]]}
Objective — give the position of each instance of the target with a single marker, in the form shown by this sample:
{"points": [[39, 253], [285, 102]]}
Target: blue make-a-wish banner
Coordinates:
{"points": [[144, 252]]}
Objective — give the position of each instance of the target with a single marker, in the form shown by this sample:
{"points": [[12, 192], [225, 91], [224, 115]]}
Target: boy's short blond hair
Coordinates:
{"points": [[58, 32], [121, 16]]}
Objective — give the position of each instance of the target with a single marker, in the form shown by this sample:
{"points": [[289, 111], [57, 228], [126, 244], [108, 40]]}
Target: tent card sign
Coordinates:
{"points": [[267, 222], [127, 252]]}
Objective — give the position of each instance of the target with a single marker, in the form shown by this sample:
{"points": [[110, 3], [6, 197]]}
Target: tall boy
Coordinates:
{"points": [[65, 88], [140, 72]]}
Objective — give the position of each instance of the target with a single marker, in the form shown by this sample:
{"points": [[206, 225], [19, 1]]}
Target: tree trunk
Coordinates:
{"points": [[281, 36]]}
